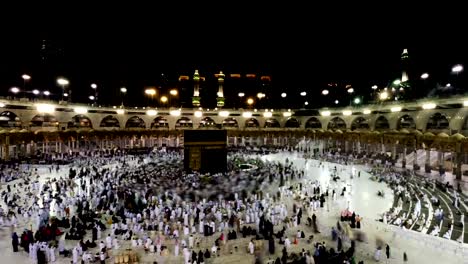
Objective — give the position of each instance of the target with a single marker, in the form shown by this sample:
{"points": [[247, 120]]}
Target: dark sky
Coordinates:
{"points": [[302, 50]]}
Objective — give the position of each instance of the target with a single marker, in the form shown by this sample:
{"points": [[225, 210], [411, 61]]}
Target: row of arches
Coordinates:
{"points": [[10, 119], [437, 121], [207, 122], [228, 122]]}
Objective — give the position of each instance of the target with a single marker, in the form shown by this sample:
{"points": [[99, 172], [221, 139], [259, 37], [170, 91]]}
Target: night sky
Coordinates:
{"points": [[301, 53]]}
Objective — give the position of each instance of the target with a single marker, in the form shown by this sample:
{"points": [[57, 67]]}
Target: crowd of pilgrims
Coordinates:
{"points": [[398, 181], [149, 201]]}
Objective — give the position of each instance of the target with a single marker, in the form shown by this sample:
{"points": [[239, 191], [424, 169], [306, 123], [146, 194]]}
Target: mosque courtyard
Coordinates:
{"points": [[360, 197]]}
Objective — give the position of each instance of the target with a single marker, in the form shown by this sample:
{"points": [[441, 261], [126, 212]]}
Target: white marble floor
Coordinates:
{"points": [[360, 197]]}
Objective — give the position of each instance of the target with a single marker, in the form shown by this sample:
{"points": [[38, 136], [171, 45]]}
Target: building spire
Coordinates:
{"points": [[220, 94], [404, 60], [196, 89]]}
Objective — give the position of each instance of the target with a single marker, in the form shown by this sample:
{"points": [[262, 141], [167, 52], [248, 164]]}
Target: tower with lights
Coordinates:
{"points": [[220, 95], [196, 89], [404, 84]]}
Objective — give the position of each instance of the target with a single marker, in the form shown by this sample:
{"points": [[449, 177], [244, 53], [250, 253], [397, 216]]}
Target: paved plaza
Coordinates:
{"points": [[361, 197]]}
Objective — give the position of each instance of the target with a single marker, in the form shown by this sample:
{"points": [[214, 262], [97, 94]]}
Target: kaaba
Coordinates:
{"points": [[205, 151]]}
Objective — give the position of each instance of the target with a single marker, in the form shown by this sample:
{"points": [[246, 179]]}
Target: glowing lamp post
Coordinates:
{"points": [[241, 95], [26, 78], [383, 95], [63, 83], [457, 68], [151, 92], [36, 92], [164, 99], [250, 102], [123, 91], [15, 91], [173, 94], [94, 87]]}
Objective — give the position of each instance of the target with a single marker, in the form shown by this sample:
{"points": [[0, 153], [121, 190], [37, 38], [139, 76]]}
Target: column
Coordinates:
{"points": [[33, 147], [403, 163], [28, 149], [415, 160], [440, 161], [427, 164], [458, 163], [6, 148]]}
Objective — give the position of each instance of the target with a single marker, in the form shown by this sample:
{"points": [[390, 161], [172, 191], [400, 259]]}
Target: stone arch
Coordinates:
{"points": [[135, 122], [337, 123], [44, 120], [160, 122], [80, 121], [292, 123], [406, 122], [381, 123], [251, 122], [313, 123], [109, 121], [230, 122], [207, 122], [360, 123], [437, 121], [272, 122], [9, 119], [184, 122]]}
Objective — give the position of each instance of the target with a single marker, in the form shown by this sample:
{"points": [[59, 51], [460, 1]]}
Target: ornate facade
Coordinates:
{"points": [[27, 128]]}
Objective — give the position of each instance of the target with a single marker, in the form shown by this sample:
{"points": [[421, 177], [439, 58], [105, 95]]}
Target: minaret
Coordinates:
{"points": [[404, 62], [196, 89], [220, 95], [403, 90], [404, 59]]}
